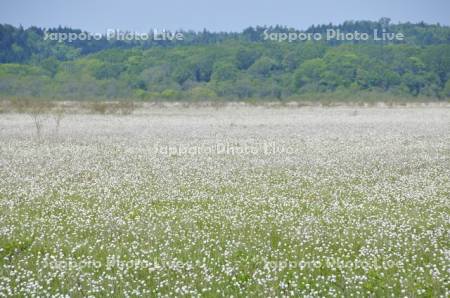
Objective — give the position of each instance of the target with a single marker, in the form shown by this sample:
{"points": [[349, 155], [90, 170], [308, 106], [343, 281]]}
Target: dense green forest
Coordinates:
{"points": [[229, 66]]}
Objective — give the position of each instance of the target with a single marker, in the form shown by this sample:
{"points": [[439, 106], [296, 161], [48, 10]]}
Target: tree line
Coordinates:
{"points": [[229, 66]]}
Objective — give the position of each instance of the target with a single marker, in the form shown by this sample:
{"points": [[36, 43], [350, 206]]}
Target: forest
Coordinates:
{"points": [[228, 65]]}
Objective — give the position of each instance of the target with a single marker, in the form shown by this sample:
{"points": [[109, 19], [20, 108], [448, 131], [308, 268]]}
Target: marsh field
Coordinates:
{"points": [[242, 201]]}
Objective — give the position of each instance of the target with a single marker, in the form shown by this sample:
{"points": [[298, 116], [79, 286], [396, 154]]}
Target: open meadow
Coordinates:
{"points": [[239, 200]]}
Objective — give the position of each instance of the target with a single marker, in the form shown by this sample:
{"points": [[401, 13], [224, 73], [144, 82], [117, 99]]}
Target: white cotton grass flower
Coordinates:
{"points": [[269, 202]]}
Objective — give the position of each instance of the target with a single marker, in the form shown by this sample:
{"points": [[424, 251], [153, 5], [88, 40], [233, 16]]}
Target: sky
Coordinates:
{"points": [[229, 15]]}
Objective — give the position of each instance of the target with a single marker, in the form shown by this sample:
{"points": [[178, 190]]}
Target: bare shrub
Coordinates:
{"points": [[58, 114], [38, 110], [38, 120]]}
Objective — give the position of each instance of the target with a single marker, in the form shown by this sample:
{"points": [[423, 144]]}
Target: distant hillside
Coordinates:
{"points": [[209, 66]]}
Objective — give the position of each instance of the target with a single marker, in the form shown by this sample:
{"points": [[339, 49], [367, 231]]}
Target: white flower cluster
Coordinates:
{"points": [[359, 187]]}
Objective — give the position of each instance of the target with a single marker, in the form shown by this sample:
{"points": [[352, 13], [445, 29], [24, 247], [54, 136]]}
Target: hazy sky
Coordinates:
{"points": [[228, 15]]}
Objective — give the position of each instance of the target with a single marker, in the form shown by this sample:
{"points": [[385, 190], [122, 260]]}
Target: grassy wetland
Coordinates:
{"points": [[235, 200]]}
